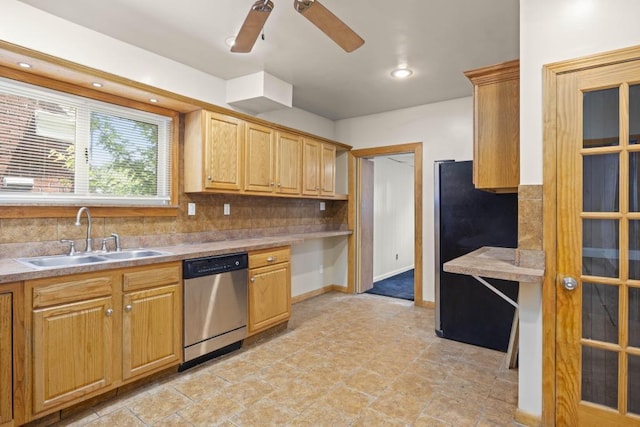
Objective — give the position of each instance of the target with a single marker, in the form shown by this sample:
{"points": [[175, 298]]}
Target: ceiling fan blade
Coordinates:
{"points": [[252, 26], [329, 23]]}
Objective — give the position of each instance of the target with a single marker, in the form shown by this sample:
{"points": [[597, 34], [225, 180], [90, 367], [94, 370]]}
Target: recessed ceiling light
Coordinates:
{"points": [[96, 84], [153, 100], [24, 65], [230, 41], [401, 73]]}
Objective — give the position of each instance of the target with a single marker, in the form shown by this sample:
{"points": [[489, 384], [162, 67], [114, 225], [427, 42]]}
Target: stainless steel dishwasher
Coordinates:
{"points": [[215, 306]]}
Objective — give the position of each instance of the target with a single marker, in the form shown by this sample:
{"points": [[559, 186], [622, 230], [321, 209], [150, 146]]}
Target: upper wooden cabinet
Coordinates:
{"points": [[496, 120], [328, 170], [319, 168], [230, 155], [288, 163], [213, 152], [258, 159], [272, 161]]}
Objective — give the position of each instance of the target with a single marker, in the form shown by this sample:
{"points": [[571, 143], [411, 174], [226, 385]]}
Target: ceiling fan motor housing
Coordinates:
{"points": [[263, 6]]}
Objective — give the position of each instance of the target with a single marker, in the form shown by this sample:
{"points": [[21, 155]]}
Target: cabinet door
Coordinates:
{"points": [[224, 140], [310, 167], [496, 121], [328, 170], [72, 351], [151, 330], [259, 154], [6, 358], [497, 136], [269, 296], [288, 164]]}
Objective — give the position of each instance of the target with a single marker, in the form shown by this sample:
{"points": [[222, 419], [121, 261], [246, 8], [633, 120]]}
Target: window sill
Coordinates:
{"points": [[48, 211]]}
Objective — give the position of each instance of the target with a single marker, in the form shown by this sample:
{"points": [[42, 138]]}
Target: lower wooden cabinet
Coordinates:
{"points": [[97, 331], [269, 288], [6, 358], [73, 351], [150, 330]]}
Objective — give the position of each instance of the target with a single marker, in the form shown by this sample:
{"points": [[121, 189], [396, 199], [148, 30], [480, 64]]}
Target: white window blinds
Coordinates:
{"points": [[57, 148]]}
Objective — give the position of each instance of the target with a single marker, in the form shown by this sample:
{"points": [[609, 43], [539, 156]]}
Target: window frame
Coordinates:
{"points": [[55, 210]]}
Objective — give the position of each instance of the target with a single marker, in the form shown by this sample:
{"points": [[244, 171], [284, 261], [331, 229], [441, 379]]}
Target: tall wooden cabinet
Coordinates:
{"points": [[6, 358], [269, 288], [496, 130]]}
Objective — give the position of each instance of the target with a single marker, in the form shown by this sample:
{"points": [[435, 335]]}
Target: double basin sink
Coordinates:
{"points": [[88, 258]]}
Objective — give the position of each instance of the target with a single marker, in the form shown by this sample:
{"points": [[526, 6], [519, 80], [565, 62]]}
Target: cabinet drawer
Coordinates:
{"points": [[145, 277], [76, 288], [269, 257]]}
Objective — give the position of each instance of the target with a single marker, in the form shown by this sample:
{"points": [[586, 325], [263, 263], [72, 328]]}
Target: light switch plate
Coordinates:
{"points": [[323, 206], [227, 209], [191, 209]]}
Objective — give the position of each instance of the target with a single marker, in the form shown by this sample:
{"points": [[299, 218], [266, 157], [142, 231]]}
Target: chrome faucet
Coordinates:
{"points": [[85, 209]]}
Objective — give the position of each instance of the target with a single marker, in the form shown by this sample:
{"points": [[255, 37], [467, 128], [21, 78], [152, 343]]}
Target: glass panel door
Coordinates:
{"points": [[598, 330]]}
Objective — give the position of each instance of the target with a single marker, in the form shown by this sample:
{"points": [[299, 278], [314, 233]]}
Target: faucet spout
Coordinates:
{"points": [[89, 240]]}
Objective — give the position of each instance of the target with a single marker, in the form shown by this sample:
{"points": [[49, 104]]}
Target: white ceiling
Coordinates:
{"points": [[437, 39]]}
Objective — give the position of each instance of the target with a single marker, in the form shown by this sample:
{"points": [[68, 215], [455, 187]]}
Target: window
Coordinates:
{"points": [[57, 148]]}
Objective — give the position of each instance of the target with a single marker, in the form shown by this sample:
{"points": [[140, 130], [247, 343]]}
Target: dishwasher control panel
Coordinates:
{"points": [[207, 266]]}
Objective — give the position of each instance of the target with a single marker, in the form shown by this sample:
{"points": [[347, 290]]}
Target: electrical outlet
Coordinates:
{"points": [[323, 206], [191, 209], [227, 209], [396, 257], [321, 268]]}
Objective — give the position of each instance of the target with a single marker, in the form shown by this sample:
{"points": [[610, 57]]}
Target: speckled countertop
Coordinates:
{"points": [[496, 263], [14, 271]]}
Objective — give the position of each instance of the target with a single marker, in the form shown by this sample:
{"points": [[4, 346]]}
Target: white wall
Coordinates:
{"points": [[316, 263], [446, 131], [301, 119], [393, 218], [552, 31]]}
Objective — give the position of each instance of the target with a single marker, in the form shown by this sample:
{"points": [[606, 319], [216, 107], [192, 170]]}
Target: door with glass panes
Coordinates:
{"points": [[598, 246]]}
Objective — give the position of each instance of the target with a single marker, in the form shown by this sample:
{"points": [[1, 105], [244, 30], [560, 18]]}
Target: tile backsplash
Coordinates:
{"points": [[251, 216]]}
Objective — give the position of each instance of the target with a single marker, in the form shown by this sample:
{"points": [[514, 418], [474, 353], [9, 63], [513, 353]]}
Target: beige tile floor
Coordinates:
{"points": [[343, 361]]}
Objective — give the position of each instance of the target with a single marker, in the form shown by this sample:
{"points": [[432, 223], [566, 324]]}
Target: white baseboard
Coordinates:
{"points": [[392, 273]]}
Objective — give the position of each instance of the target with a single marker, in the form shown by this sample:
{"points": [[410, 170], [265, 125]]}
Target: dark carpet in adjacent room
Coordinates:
{"points": [[398, 286]]}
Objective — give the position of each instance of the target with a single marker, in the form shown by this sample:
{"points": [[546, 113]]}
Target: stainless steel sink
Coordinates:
{"points": [[91, 258], [133, 254]]}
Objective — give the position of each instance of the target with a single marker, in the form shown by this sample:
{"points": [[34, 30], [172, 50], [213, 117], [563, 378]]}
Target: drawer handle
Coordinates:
{"points": [[253, 279], [128, 308], [271, 259], [108, 312]]}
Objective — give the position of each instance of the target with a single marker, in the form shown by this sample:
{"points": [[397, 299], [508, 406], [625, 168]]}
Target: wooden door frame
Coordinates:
{"points": [[549, 218], [414, 148]]}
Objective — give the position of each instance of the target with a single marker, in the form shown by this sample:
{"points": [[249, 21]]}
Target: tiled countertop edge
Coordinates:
{"points": [[13, 271], [496, 263]]}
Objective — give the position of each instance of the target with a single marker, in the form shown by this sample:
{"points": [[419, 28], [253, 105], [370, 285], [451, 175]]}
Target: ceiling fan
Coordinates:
{"points": [[319, 16]]}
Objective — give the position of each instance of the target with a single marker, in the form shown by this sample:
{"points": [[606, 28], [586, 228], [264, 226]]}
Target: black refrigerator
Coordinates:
{"points": [[467, 219]]}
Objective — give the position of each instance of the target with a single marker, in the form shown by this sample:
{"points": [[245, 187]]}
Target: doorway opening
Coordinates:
{"points": [[393, 255]]}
